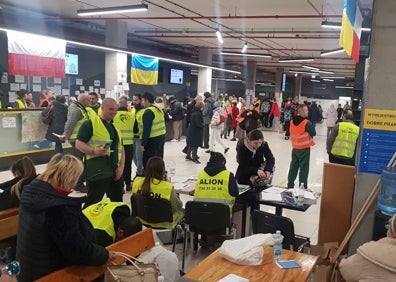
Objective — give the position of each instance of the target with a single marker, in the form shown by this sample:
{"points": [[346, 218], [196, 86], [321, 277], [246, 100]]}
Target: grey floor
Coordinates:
{"points": [[306, 223]]}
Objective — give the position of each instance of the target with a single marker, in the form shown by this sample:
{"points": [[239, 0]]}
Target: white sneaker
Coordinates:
{"points": [[174, 140]]}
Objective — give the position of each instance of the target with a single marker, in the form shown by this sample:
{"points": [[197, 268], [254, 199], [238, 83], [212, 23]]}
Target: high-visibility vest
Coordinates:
{"points": [[158, 189], [100, 216], [300, 138], [21, 103], [139, 119], [101, 136], [214, 188], [86, 116], [124, 122], [158, 127], [345, 142]]}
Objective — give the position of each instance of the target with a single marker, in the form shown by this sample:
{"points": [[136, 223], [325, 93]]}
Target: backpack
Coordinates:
{"points": [[47, 115], [287, 115], [265, 107]]}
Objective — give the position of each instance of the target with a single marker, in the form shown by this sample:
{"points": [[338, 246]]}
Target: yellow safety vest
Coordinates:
{"points": [[158, 127], [139, 120], [345, 142], [158, 189], [86, 116], [21, 103], [214, 188], [100, 216], [124, 122], [101, 136]]}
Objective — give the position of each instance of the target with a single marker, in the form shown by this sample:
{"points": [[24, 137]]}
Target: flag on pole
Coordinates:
{"points": [[351, 29], [35, 55], [144, 70]]}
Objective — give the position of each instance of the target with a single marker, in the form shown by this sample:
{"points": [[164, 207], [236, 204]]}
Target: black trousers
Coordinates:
{"points": [[206, 136], [96, 190], [127, 174], [80, 156], [336, 160], [154, 147]]}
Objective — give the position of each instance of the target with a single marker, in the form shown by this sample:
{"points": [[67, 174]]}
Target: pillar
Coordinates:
{"points": [[204, 74], [278, 96], [250, 86], [116, 63], [378, 95], [297, 86]]}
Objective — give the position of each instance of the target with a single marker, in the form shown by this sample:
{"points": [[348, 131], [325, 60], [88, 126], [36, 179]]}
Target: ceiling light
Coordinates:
{"points": [[301, 72], [332, 52], [313, 76], [246, 54], [219, 37], [244, 48], [344, 87], [337, 25], [112, 10], [315, 80], [333, 77], [327, 79], [311, 68], [227, 79], [296, 60], [322, 71]]}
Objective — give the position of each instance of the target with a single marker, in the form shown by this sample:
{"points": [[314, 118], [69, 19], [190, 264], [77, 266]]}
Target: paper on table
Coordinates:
{"points": [[274, 190], [307, 194], [275, 197], [179, 179], [180, 186], [233, 278]]}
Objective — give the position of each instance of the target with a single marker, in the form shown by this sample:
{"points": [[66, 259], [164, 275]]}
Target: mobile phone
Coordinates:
{"points": [[106, 146]]}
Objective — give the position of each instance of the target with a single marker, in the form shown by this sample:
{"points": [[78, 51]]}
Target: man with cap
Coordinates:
{"points": [[216, 127]]}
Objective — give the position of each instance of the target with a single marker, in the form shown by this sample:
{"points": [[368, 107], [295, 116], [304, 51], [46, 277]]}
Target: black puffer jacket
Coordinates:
{"points": [[58, 122], [53, 233]]}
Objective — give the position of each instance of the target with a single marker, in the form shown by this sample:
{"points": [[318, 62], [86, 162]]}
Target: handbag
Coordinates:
{"points": [[99, 168], [135, 272]]}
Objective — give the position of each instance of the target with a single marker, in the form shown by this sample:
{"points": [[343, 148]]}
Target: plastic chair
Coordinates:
{"points": [[206, 218], [263, 222], [155, 210]]}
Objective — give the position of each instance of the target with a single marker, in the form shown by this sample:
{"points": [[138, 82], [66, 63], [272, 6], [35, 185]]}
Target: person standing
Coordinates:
{"points": [[58, 110], [301, 133], [124, 122], [287, 117], [274, 112], [20, 101], [207, 114], [217, 127], [29, 100], [137, 115], [176, 111], [331, 118], [341, 143], [46, 98], [265, 110], [94, 102], [98, 137], [339, 112], [314, 114], [154, 130], [195, 133]]}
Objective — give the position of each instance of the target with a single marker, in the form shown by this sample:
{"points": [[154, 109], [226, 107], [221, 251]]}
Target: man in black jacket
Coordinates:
{"points": [[176, 111]]}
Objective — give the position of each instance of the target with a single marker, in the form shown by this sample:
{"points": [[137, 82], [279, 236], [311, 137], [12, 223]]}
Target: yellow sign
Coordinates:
{"points": [[380, 119]]}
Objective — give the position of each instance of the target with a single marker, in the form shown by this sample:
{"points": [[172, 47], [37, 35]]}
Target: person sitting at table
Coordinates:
{"points": [[112, 221], [24, 172], [255, 160], [156, 183], [373, 261]]}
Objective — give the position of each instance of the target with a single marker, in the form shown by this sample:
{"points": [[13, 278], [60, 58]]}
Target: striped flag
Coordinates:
{"points": [[351, 29], [144, 70], [34, 55]]}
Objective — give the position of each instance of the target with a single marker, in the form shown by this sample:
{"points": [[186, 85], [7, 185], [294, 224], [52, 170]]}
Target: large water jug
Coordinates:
{"points": [[387, 196]]}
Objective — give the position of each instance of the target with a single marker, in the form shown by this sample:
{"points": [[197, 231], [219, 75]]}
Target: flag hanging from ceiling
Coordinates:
{"points": [[351, 29], [144, 70], [34, 55]]}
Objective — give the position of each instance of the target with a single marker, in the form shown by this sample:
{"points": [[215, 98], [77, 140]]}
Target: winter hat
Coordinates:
{"points": [[217, 157], [216, 105]]}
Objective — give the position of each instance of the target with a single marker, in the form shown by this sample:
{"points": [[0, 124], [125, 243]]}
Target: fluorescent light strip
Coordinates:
{"points": [[344, 87], [302, 72], [311, 68], [112, 10], [326, 79], [336, 25], [244, 48], [324, 72], [333, 77], [227, 79], [219, 37], [246, 54], [296, 60], [332, 52], [315, 80], [130, 53]]}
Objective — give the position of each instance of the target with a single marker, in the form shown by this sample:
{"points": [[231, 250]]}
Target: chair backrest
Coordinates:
{"points": [[264, 222], [152, 210], [208, 218]]}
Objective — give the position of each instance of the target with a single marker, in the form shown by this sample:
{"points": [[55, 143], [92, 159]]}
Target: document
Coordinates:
{"points": [[233, 278]]}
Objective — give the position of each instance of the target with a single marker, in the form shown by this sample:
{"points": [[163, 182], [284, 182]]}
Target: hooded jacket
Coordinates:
{"points": [[213, 168], [53, 233], [374, 261]]}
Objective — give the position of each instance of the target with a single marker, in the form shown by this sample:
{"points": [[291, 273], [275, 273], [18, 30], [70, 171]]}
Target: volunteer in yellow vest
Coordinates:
{"points": [[156, 184], [124, 122], [77, 113], [94, 102], [154, 130], [301, 135], [215, 183], [112, 221], [137, 112], [341, 143], [98, 137], [20, 102]]}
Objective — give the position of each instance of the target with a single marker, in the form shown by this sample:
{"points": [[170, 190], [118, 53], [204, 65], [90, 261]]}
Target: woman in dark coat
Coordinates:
{"points": [[58, 110], [195, 132], [251, 119]]}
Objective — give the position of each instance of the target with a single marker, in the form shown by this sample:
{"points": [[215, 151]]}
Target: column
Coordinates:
{"points": [[378, 95], [250, 90], [204, 74], [297, 86], [116, 63], [278, 96]]}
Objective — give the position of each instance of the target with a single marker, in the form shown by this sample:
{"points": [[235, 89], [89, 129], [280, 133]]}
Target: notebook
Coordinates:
{"points": [[243, 188]]}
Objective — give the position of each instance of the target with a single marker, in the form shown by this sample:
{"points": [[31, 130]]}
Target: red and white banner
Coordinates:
{"points": [[35, 55]]}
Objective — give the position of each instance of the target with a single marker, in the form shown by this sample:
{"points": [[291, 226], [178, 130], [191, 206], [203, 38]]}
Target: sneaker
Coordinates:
{"points": [[185, 150], [233, 139], [226, 150], [196, 161], [287, 137], [174, 140], [188, 158], [207, 151]]}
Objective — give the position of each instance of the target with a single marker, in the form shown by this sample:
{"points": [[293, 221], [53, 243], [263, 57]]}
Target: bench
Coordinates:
{"points": [[133, 245], [8, 223]]}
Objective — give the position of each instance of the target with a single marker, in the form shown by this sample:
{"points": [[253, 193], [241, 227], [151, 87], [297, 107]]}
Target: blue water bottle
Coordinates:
{"points": [[278, 239]]}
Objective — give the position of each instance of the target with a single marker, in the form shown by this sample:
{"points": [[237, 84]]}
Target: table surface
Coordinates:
{"points": [[214, 267]]}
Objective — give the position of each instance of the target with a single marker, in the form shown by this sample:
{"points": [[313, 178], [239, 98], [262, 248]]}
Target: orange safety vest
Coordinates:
{"points": [[299, 137]]}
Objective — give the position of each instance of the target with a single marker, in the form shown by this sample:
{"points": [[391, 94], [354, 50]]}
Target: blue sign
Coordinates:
{"points": [[283, 82]]}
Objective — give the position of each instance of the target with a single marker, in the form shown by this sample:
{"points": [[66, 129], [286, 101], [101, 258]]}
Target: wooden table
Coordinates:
{"points": [[214, 267]]}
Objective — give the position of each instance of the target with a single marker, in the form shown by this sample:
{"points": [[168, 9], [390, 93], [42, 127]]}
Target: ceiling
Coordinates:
{"points": [[282, 28]]}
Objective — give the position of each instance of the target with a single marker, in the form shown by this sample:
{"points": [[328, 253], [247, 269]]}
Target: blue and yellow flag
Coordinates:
{"points": [[144, 70]]}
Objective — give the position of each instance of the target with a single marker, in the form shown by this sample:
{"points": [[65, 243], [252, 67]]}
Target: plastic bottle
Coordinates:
{"points": [[387, 195], [278, 239], [161, 278], [300, 195]]}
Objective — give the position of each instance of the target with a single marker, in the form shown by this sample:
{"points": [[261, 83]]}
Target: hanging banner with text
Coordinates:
{"points": [[378, 140]]}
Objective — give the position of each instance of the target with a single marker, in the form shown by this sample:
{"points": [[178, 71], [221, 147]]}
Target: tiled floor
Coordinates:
{"points": [[306, 223]]}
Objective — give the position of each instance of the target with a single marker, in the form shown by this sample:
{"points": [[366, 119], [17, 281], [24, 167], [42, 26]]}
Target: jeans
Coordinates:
{"points": [[58, 148], [138, 156]]}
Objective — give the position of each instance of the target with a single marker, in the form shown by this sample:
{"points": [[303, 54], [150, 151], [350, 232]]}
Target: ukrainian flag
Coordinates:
{"points": [[351, 29], [144, 70]]}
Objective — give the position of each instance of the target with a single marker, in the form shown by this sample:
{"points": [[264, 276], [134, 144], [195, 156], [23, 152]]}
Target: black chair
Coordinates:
{"points": [[264, 222], [155, 210], [206, 218]]}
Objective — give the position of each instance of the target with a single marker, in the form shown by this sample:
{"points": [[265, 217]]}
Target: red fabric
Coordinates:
{"points": [[29, 65], [235, 113], [62, 191], [355, 48], [275, 110]]}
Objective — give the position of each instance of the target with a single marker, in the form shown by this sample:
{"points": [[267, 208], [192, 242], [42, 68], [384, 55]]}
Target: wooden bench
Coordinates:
{"points": [[133, 245], [8, 223]]}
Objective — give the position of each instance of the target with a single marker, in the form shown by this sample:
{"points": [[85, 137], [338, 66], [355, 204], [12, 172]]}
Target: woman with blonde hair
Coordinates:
{"points": [[52, 231]]}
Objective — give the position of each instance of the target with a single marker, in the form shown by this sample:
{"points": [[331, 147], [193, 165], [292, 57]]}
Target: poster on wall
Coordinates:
{"points": [[32, 127]]}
